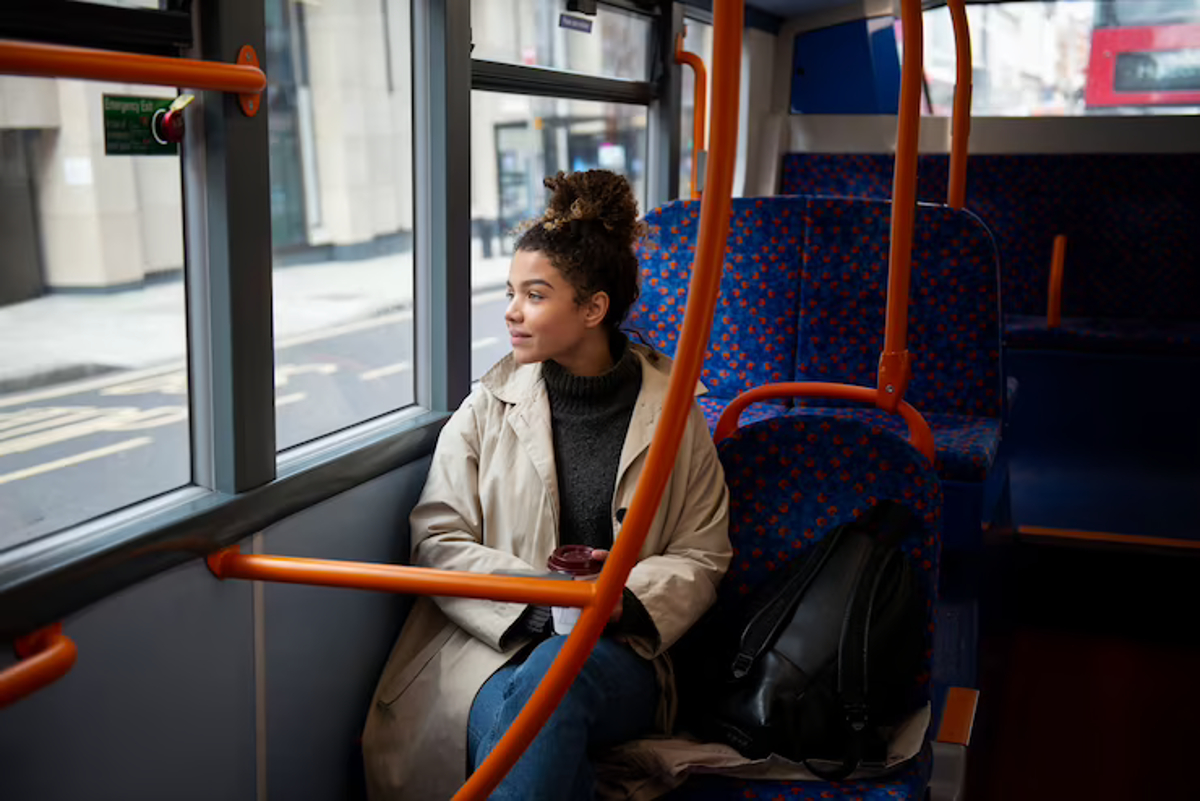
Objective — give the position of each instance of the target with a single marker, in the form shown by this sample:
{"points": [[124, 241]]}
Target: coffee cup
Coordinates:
{"points": [[578, 562]]}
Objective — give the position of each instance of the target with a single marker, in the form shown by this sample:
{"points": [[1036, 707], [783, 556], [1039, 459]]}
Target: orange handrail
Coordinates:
{"points": [[960, 130], [59, 61], [919, 432], [699, 108], [46, 656], [894, 363], [231, 563], [1057, 267], [697, 324]]}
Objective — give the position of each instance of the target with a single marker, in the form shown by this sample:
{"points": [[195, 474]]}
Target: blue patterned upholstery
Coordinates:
{"points": [[954, 330], [712, 408], [1132, 222], [753, 338], [966, 445], [906, 785], [792, 480]]}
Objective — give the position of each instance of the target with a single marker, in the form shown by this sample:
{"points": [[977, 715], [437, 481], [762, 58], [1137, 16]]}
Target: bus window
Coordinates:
{"points": [[540, 33], [340, 104], [1045, 59], [698, 40], [94, 402]]}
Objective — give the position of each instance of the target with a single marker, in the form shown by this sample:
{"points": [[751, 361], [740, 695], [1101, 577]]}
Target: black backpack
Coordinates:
{"points": [[822, 659]]}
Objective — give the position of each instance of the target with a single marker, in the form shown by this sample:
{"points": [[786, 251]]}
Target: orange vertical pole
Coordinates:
{"points": [[960, 131], [1057, 266], [699, 106], [894, 362], [697, 324]]}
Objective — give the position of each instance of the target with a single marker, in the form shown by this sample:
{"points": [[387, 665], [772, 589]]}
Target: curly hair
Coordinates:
{"points": [[588, 232]]}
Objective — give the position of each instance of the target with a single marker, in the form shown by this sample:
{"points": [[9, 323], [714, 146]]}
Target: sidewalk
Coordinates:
{"points": [[59, 338]]}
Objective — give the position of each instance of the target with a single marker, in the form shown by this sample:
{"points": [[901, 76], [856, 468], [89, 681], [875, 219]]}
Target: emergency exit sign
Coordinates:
{"points": [[128, 126]]}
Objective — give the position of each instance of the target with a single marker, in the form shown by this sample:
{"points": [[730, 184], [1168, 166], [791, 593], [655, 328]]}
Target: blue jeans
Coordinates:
{"points": [[612, 700]]}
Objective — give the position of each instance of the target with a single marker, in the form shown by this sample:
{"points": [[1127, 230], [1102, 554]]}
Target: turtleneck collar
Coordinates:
{"points": [[590, 390]]}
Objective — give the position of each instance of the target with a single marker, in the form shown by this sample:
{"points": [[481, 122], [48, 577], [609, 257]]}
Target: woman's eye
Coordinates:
{"points": [[534, 296], [509, 294]]}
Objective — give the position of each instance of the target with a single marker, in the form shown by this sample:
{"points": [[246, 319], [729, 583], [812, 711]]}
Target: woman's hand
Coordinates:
{"points": [[600, 554]]}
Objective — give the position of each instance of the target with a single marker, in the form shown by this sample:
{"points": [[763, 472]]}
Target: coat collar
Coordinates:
{"points": [[522, 389]]}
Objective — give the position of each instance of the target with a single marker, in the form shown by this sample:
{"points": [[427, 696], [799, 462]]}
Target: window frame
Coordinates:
{"points": [[240, 484]]}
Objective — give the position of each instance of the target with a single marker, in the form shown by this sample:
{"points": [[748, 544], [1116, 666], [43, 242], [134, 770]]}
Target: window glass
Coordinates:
{"points": [[541, 33], [93, 382], [698, 40], [340, 103], [1045, 59], [516, 141]]}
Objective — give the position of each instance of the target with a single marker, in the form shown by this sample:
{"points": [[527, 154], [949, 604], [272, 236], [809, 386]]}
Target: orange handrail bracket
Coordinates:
{"points": [[919, 432], [46, 656], [58, 61], [232, 563], [697, 324], [960, 131], [893, 364], [1054, 297], [699, 106]]}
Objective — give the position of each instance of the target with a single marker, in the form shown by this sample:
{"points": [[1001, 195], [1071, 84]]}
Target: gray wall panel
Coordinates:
{"points": [[326, 647], [160, 704]]}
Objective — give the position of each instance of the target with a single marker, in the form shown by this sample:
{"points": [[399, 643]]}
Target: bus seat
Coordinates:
{"points": [[966, 445], [954, 331], [1131, 268], [753, 338], [791, 480]]}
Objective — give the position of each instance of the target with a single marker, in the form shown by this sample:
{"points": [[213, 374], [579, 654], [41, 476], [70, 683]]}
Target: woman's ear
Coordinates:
{"points": [[595, 309]]}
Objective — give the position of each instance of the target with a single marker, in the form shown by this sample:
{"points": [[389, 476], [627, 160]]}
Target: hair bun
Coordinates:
{"points": [[592, 196]]}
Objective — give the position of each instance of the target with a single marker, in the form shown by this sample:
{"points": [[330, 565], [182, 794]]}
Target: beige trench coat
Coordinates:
{"points": [[490, 503]]}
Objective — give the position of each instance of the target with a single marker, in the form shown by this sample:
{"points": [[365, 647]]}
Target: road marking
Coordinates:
{"points": [[486, 342], [113, 418], [23, 417], [166, 384], [86, 456], [64, 416], [284, 373], [295, 397], [386, 370]]}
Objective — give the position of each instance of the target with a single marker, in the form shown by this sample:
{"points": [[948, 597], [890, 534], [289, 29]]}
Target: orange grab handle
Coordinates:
{"points": [[1057, 267], [919, 432], [231, 563], [697, 323], [960, 131], [700, 107], [58, 61], [46, 656], [894, 363]]}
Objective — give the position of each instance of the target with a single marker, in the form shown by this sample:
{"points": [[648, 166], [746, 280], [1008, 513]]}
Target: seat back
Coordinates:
{"points": [[753, 337], [1132, 221], [954, 309]]}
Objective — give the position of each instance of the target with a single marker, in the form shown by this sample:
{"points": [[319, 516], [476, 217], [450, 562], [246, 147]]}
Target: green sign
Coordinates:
{"points": [[128, 126]]}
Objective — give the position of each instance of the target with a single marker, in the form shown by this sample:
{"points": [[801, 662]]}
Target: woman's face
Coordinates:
{"points": [[544, 320]]}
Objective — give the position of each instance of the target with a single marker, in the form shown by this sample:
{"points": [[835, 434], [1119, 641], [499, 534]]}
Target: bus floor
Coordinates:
{"points": [[1088, 676]]}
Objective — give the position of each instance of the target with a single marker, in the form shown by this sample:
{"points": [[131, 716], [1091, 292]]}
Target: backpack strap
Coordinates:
{"points": [[764, 625], [853, 660]]}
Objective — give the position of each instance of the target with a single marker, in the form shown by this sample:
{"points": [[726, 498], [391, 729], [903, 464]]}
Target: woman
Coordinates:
{"points": [[547, 452]]}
